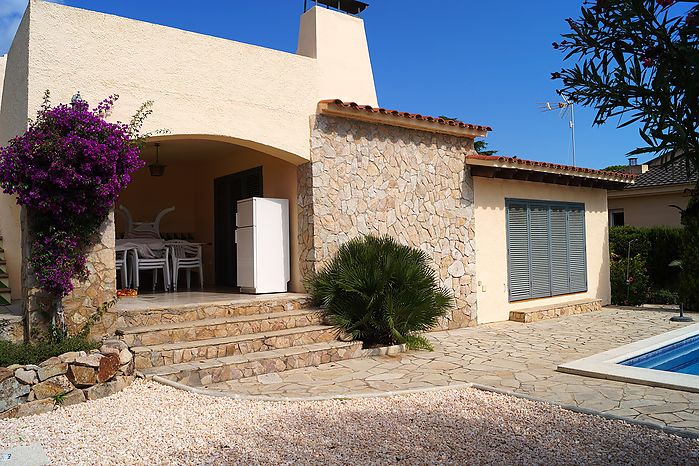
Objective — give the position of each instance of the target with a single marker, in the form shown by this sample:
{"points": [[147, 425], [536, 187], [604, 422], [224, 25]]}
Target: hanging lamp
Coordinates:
{"points": [[157, 169]]}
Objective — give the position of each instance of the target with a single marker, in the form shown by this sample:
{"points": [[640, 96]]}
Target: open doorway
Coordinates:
{"points": [[228, 190]]}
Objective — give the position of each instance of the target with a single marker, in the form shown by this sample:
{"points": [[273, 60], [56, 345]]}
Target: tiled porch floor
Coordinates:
{"points": [[154, 301], [510, 356]]}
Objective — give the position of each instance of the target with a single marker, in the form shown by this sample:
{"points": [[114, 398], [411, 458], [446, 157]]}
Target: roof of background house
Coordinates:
{"points": [[677, 172]]}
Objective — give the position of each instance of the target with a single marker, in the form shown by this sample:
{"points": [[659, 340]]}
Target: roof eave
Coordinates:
{"points": [[504, 170], [434, 126]]}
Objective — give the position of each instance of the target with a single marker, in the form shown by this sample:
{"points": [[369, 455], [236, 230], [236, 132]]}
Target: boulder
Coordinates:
{"points": [[125, 356], [28, 409], [51, 362], [52, 371], [73, 398], [25, 376], [89, 360], [52, 387], [109, 365], [126, 369], [70, 357], [6, 374], [113, 344], [100, 391], [82, 376], [11, 392]]}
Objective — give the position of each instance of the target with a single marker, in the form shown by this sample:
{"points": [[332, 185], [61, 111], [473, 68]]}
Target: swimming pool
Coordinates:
{"points": [[681, 356], [669, 360]]}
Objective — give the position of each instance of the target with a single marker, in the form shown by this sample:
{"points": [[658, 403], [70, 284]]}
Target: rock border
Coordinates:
{"points": [[65, 380]]}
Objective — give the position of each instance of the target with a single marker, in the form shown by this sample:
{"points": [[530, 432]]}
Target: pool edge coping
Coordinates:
{"points": [[606, 365]]}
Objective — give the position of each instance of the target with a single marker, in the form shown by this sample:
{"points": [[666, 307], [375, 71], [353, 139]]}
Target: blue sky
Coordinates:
{"points": [[483, 62]]}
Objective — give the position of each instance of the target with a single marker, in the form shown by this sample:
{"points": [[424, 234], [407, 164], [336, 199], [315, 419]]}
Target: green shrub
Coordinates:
{"points": [[663, 297], [381, 292], [658, 246], [636, 290], [689, 283], [37, 352]]}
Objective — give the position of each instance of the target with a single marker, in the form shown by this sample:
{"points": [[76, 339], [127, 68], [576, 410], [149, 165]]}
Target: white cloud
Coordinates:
{"points": [[11, 12]]}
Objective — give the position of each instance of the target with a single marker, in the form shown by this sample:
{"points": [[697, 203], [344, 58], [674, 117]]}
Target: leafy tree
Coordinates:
{"points": [[482, 148], [637, 62], [615, 168]]}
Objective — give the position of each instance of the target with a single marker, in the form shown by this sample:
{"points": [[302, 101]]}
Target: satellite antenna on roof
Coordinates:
{"points": [[352, 7], [566, 108]]}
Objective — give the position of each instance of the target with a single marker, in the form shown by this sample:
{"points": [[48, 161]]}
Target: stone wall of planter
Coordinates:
{"points": [[87, 296], [65, 380], [367, 178]]}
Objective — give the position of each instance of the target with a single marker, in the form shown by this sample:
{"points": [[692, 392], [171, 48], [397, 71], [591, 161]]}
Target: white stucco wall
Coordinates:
{"points": [[200, 85], [491, 243], [13, 120]]}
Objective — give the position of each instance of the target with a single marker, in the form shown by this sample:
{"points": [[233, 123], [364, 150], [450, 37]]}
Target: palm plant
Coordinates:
{"points": [[380, 291]]}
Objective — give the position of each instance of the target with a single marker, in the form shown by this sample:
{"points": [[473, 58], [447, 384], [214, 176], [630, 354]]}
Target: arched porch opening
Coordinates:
{"points": [[204, 176]]}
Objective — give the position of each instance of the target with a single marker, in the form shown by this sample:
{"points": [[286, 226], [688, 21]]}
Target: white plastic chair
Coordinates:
{"points": [[143, 229], [185, 255], [148, 230], [122, 266], [154, 264]]}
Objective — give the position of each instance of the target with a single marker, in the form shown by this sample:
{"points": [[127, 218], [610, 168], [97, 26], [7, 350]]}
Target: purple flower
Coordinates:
{"points": [[68, 169]]}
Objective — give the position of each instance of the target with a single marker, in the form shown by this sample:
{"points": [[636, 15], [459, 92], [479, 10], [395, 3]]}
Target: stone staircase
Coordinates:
{"points": [[200, 345], [5, 298]]}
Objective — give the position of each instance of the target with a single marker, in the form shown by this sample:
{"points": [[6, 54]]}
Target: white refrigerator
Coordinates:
{"points": [[262, 239]]}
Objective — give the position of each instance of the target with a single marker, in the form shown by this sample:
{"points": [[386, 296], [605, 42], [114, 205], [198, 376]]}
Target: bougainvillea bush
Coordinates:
{"points": [[67, 170]]}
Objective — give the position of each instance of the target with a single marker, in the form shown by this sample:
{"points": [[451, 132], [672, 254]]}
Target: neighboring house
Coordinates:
{"points": [[656, 197], [504, 234]]}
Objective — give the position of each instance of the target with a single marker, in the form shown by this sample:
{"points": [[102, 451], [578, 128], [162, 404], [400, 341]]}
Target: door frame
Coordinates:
{"points": [[225, 273]]}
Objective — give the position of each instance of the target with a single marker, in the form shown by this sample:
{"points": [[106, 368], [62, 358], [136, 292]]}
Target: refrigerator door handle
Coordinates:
{"points": [[237, 223], [235, 233]]}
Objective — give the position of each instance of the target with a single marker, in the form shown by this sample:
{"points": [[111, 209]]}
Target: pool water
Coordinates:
{"points": [[681, 357]]}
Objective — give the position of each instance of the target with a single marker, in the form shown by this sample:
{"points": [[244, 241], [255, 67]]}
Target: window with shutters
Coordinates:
{"points": [[545, 249]]}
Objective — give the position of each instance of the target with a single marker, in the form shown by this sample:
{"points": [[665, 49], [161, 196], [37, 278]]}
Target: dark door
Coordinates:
{"points": [[228, 190]]}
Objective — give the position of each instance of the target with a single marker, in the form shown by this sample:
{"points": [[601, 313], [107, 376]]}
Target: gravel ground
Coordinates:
{"points": [[152, 424]]}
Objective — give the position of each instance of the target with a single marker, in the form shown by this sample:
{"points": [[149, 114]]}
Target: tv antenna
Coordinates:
{"points": [[566, 108]]}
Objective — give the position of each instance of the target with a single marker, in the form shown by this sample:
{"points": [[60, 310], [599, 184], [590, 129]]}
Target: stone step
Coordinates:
{"points": [[175, 353], [552, 311], [218, 327], [156, 315], [226, 368]]}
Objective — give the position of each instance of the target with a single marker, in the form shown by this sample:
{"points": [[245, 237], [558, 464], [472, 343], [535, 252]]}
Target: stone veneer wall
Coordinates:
{"points": [[367, 178], [86, 297]]}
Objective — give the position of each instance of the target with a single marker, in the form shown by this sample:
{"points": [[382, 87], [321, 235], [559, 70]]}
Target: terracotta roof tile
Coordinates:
{"points": [[415, 116], [534, 163]]}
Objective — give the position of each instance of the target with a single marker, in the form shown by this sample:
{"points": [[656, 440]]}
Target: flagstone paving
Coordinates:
{"points": [[511, 356]]}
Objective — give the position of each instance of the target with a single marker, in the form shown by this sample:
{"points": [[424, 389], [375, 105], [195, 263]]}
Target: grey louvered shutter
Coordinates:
{"points": [[540, 262], [560, 283], [518, 251], [576, 246]]}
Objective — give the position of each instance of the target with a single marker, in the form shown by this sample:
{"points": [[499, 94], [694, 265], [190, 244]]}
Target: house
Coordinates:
{"points": [[505, 235], [656, 197]]}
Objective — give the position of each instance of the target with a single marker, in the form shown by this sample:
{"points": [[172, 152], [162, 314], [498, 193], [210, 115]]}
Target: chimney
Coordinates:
{"points": [[337, 41], [634, 168]]}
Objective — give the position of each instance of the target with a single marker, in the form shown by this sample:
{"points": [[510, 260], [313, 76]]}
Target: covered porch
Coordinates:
{"points": [[202, 178]]}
